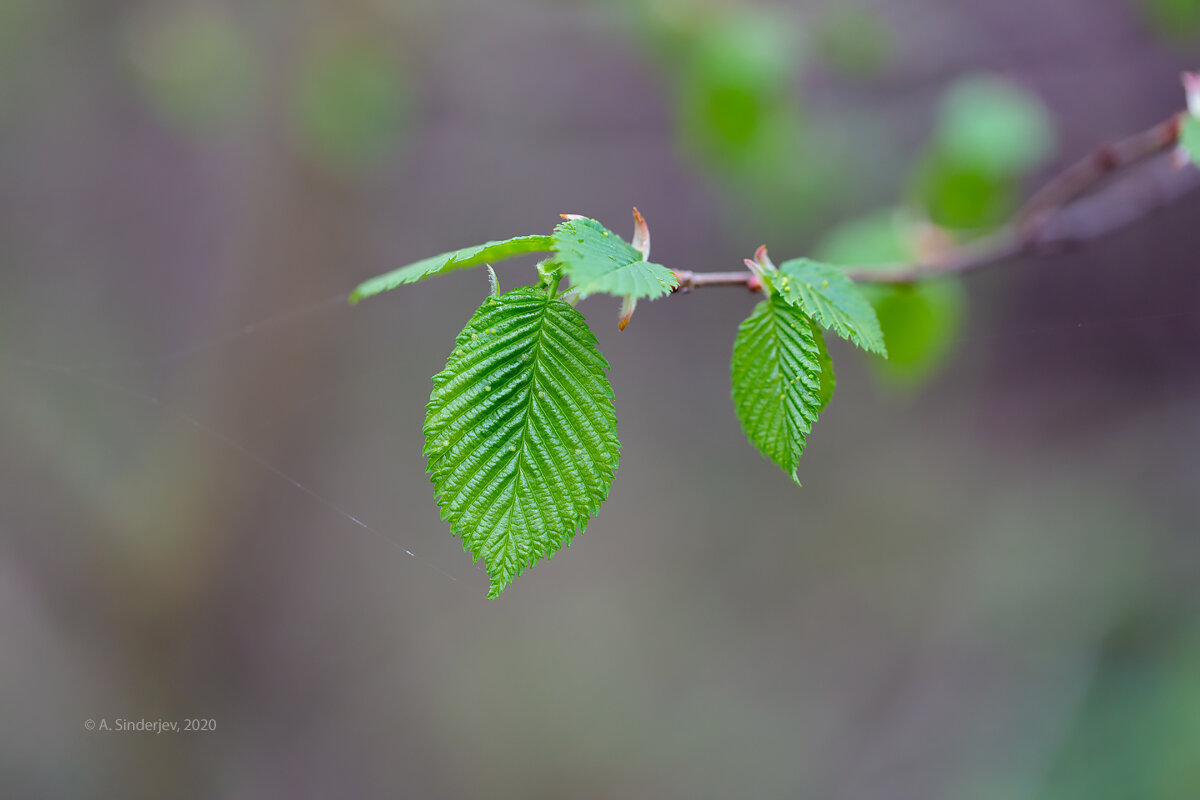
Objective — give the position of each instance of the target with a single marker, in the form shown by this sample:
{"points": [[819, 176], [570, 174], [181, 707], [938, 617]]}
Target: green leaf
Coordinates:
{"points": [[1189, 137], [828, 379], [599, 262], [520, 433], [921, 321], [734, 104], [1173, 19], [823, 292], [448, 262], [960, 195], [879, 238], [920, 324], [993, 126], [777, 373]]}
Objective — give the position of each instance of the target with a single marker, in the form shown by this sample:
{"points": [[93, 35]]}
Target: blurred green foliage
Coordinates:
{"points": [[195, 65], [738, 110], [920, 322], [994, 125], [1173, 19], [854, 41], [1138, 732], [18, 19], [351, 100], [989, 133], [734, 95], [1189, 138]]}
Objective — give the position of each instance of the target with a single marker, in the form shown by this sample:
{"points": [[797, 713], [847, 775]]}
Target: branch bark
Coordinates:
{"points": [[1033, 230]]}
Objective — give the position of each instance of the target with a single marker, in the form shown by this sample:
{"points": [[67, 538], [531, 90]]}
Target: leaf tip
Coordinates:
{"points": [[641, 234], [493, 282], [762, 259], [1191, 85], [628, 304]]}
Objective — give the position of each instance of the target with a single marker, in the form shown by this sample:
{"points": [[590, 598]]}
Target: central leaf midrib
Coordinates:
{"points": [[522, 450], [781, 387]]}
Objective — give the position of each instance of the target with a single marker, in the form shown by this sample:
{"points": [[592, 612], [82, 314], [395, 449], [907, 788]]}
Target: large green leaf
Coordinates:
{"points": [[448, 262], [777, 372], [599, 262], [823, 292], [520, 433]]}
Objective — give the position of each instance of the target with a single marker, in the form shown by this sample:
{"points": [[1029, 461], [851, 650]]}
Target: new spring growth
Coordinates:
{"points": [[1186, 153], [641, 243], [1191, 85], [760, 265]]}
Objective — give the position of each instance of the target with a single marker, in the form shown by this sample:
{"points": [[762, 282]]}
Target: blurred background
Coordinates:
{"points": [[211, 470]]}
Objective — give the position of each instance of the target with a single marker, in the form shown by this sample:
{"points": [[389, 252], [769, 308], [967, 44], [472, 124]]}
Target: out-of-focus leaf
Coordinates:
{"points": [[920, 325], [874, 239], [1173, 19], [993, 126], [989, 133], [351, 101], [194, 63], [1189, 138], [959, 195], [733, 87], [1137, 731], [854, 40], [920, 322]]}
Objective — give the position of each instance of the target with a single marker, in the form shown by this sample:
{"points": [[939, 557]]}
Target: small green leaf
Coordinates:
{"points": [[778, 368], [921, 321], [520, 433], [1189, 137], [448, 262], [823, 292], [828, 379], [599, 262]]}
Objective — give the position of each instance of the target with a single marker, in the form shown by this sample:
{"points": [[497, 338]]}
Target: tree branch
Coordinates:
{"points": [[1030, 231]]}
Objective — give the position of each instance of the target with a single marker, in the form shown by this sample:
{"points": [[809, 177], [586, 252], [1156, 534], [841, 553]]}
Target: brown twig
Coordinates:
{"points": [[1027, 233]]}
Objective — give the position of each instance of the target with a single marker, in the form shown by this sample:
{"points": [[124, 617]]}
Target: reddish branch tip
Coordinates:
{"points": [[1173, 127], [1107, 158], [641, 234], [754, 283]]}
